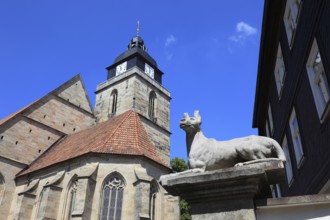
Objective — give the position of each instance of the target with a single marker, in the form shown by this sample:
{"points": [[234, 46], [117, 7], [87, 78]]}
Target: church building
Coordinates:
{"points": [[60, 159]]}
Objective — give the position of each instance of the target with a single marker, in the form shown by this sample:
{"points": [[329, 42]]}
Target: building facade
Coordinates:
{"points": [[60, 159], [292, 93]]}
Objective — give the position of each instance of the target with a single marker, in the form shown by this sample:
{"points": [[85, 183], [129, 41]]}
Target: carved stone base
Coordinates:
{"points": [[227, 193]]}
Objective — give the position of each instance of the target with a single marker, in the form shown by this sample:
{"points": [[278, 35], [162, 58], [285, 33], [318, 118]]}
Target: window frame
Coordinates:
{"points": [[288, 163], [278, 191], [270, 120], [108, 183], [291, 19], [280, 71], [267, 128], [114, 101], [71, 198], [317, 78], [2, 187], [152, 106], [296, 138], [154, 203]]}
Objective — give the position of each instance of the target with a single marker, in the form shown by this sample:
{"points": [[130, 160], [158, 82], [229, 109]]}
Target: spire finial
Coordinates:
{"points": [[138, 28]]}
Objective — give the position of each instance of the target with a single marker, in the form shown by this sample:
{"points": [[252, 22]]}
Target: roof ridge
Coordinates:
{"points": [[129, 112], [137, 130], [18, 112], [39, 100]]}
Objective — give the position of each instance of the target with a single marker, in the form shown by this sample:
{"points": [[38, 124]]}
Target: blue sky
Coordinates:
{"points": [[208, 51]]}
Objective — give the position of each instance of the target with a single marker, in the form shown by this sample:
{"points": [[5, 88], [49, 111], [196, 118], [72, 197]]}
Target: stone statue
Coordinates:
{"points": [[209, 154]]}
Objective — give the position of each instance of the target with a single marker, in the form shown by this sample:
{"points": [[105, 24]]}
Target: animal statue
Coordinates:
{"points": [[209, 154]]}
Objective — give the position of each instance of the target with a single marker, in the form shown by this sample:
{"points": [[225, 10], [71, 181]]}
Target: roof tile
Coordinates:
{"points": [[123, 134]]}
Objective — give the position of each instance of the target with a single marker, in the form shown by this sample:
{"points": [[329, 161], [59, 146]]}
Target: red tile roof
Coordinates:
{"points": [[123, 134]]}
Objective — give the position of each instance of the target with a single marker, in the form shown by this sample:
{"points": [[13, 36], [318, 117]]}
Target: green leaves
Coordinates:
{"points": [[179, 165], [184, 210]]}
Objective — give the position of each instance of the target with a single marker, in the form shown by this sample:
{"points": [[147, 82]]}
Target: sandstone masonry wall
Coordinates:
{"points": [[95, 170], [135, 84]]}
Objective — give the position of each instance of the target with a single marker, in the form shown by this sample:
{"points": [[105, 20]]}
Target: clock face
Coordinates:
{"points": [[149, 70], [121, 68]]}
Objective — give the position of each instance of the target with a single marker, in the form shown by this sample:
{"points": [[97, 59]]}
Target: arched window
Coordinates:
{"points": [[114, 96], [112, 198], [71, 198], [154, 189], [2, 187], [41, 204], [152, 105]]}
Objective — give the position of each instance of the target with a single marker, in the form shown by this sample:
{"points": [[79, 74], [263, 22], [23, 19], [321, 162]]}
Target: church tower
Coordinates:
{"points": [[134, 81]]}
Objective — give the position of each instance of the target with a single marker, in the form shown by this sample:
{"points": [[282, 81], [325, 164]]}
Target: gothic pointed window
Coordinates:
{"points": [[112, 197], [153, 200], [2, 187], [71, 198], [152, 106], [114, 96]]}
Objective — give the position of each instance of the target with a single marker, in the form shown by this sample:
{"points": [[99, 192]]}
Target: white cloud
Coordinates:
{"points": [[243, 31], [170, 40], [246, 29]]}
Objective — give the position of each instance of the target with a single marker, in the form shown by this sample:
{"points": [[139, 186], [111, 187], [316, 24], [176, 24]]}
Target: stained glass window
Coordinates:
{"points": [[71, 198], [112, 199]]}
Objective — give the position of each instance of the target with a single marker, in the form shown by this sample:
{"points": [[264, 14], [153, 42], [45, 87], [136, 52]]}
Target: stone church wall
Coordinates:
{"points": [[161, 139], [59, 115], [135, 84], [142, 92], [103, 105], [90, 172], [8, 169], [23, 140], [75, 94]]}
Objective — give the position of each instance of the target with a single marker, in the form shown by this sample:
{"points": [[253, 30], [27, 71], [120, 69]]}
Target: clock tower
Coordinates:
{"points": [[135, 82]]}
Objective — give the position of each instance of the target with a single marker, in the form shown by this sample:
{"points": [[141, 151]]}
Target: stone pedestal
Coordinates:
{"points": [[227, 193]]}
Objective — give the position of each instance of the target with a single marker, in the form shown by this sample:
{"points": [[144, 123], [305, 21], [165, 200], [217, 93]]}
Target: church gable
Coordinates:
{"points": [[74, 92], [27, 133], [60, 115]]}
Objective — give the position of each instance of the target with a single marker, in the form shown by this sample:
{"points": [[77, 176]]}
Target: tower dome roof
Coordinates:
{"points": [[137, 41], [136, 46]]}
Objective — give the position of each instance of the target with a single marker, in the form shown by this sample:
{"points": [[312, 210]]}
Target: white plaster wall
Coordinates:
{"points": [[312, 211]]}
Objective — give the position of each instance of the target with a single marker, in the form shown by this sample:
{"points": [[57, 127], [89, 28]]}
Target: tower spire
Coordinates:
{"points": [[138, 28]]}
